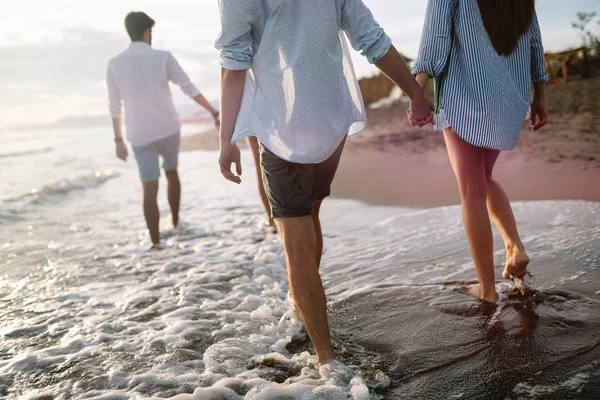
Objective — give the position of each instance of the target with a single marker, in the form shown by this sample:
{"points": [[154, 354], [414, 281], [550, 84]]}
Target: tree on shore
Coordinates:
{"points": [[584, 23]]}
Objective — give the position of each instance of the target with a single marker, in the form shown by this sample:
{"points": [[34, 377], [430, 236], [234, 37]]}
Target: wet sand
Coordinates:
{"points": [[400, 165]]}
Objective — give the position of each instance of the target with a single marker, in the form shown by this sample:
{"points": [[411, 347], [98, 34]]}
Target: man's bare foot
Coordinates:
{"points": [[516, 263], [475, 291]]}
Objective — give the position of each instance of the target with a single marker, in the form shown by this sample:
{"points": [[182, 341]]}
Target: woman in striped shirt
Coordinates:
{"points": [[483, 56]]}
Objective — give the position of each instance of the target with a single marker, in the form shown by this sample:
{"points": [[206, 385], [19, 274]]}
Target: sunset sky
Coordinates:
{"points": [[53, 53]]}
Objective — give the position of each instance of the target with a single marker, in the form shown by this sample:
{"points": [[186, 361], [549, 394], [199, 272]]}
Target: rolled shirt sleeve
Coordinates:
{"points": [[115, 101], [178, 76], [539, 73], [235, 40], [436, 41], [364, 32]]}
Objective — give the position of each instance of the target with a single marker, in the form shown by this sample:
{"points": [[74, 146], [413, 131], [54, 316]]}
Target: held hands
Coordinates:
{"points": [[420, 112], [539, 114], [121, 151], [230, 154]]}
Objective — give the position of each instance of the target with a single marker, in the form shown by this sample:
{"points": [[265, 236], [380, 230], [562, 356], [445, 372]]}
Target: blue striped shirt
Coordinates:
{"points": [[483, 96]]}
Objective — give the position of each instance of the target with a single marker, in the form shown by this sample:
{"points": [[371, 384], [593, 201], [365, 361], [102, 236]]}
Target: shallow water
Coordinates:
{"points": [[86, 311], [434, 341]]}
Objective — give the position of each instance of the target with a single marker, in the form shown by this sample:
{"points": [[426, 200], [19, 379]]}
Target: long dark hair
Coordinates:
{"points": [[506, 21]]}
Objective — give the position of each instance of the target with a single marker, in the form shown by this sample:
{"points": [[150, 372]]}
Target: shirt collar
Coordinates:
{"points": [[139, 45]]}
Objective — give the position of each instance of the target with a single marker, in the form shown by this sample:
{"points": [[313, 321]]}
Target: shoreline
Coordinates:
{"points": [[420, 175], [392, 163]]}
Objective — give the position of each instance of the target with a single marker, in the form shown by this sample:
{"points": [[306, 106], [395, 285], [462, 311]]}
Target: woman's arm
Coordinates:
{"points": [[539, 110], [538, 61], [436, 40], [539, 75], [393, 66]]}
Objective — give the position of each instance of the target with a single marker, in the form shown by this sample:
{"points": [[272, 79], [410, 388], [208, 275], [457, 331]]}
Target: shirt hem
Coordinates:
{"points": [[154, 139], [354, 128]]}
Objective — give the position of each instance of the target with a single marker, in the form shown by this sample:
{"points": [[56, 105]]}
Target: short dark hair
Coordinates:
{"points": [[136, 23]]}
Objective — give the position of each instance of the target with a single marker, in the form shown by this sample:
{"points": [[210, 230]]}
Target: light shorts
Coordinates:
{"points": [[147, 157]]}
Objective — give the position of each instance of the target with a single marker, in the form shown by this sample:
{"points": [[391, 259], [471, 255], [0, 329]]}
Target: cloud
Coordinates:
{"points": [[66, 74], [79, 57]]}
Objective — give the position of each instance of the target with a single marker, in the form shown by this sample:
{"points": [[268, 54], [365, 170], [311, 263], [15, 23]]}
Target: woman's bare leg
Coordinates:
{"points": [[253, 145], [468, 163], [499, 208]]}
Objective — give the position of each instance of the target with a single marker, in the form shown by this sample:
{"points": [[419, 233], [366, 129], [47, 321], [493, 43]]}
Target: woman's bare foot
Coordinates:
{"points": [[475, 291], [516, 262]]}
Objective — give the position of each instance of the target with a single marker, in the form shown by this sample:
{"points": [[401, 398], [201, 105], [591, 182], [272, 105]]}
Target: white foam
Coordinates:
{"points": [[209, 314]]}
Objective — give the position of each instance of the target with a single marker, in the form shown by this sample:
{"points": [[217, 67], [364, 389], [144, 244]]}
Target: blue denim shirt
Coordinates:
{"points": [[301, 96]]}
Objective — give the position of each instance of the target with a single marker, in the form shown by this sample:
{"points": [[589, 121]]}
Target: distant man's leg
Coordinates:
{"points": [[169, 150], [253, 145], [174, 194], [151, 212], [147, 160]]}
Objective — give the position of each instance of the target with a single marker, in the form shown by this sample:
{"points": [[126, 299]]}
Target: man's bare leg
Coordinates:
{"points": [[469, 167], [499, 208], [306, 287], [253, 146], [318, 232], [174, 194], [151, 212]]}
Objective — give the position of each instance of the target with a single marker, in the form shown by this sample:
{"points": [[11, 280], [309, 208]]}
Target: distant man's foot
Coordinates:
{"points": [[158, 246], [267, 227], [476, 292], [516, 263], [175, 221]]}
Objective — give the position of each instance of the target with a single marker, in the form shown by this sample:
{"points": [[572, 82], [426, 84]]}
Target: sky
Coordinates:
{"points": [[53, 54]]}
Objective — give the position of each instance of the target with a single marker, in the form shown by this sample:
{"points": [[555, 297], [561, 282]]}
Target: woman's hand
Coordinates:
{"points": [[419, 112], [539, 114]]}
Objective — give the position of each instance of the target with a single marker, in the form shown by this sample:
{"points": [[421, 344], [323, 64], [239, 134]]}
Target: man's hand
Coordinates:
{"points": [[419, 112], [230, 154], [122, 152], [217, 122], [539, 114]]}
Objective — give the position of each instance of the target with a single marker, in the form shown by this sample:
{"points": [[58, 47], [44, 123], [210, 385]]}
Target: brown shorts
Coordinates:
{"points": [[293, 188]]}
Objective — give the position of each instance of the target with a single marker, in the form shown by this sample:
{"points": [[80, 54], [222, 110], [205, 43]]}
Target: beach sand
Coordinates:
{"points": [[88, 311], [400, 165]]}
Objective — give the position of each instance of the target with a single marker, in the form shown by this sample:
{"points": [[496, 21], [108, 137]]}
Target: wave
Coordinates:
{"points": [[63, 187], [26, 152]]}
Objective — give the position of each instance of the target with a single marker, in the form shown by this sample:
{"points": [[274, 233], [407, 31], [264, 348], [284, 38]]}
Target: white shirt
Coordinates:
{"points": [[139, 77], [301, 96]]}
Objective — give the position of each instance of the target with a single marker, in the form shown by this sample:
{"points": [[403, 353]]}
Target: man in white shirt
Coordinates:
{"points": [[288, 80], [139, 77]]}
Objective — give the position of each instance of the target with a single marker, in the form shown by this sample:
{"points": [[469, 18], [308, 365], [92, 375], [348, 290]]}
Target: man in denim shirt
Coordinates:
{"points": [[287, 79]]}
